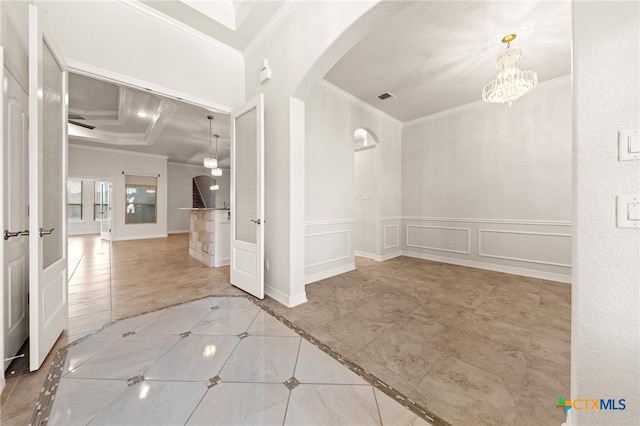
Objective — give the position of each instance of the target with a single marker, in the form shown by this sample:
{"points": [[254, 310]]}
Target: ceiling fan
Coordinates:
{"points": [[73, 117]]}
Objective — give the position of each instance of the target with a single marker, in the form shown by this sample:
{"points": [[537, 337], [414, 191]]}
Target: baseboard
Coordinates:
{"points": [[283, 298], [377, 257], [140, 237], [312, 278], [366, 254], [186, 231], [222, 262], [550, 276], [76, 233], [389, 256]]}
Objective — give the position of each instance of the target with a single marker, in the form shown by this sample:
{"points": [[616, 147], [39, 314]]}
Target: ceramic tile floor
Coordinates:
{"points": [[215, 361], [474, 347]]}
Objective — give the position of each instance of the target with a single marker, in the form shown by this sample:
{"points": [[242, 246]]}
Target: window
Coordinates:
{"points": [[141, 199], [100, 200], [74, 200]]}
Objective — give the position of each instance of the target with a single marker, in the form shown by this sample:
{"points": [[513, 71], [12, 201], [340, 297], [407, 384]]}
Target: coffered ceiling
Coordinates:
{"points": [[141, 121]]}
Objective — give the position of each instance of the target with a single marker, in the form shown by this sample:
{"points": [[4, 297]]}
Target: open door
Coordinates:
{"points": [[13, 210], [104, 209], [48, 309], [247, 197]]}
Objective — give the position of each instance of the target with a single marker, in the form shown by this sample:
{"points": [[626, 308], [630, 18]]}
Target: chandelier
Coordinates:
{"points": [[511, 83], [209, 161]]}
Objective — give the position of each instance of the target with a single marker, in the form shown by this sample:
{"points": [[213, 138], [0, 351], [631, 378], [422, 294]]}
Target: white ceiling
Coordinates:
{"points": [[433, 56], [438, 55], [248, 17]]}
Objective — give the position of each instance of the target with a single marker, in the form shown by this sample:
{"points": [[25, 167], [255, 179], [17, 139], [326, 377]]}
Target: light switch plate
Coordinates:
{"points": [[627, 208], [629, 145]]}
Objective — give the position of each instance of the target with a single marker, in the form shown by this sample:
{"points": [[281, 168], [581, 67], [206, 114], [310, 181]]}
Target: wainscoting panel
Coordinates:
{"points": [[535, 247], [328, 249], [441, 238], [391, 237]]}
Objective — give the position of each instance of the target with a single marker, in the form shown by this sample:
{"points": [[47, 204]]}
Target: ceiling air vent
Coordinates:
{"points": [[386, 96]]}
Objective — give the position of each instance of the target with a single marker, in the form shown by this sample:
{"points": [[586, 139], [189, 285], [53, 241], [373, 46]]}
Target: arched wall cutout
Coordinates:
{"points": [[364, 138]]}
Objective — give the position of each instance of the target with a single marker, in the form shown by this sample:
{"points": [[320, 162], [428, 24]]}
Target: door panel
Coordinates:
{"points": [[247, 195], [48, 310], [15, 258]]}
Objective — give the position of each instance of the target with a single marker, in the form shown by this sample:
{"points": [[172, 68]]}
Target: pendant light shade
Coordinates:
{"points": [[210, 162]]}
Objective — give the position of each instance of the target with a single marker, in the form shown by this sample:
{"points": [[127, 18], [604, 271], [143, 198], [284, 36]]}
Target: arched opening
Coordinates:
{"points": [[364, 139], [205, 189]]}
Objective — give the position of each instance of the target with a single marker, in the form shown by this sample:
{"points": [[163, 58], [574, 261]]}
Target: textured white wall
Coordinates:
{"points": [[490, 185], [605, 340], [492, 161], [366, 198], [336, 177], [300, 50], [109, 164]]}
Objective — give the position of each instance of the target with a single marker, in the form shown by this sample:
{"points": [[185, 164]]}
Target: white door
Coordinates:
{"points": [[47, 193], [247, 197], [104, 209], [15, 221]]}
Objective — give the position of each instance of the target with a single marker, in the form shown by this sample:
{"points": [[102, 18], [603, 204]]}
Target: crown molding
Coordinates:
{"points": [[265, 32], [116, 151], [175, 24], [82, 68], [438, 115], [357, 101]]}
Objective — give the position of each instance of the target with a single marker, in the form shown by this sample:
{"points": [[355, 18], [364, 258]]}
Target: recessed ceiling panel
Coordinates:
{"points": [[91, 95], [169, 127]]}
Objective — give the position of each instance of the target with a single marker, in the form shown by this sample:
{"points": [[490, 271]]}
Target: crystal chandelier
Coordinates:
{"points": [[209, 161], [511, 83]]}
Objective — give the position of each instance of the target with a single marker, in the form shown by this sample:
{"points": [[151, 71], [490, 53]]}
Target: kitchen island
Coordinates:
{"points": [[209, 232]]}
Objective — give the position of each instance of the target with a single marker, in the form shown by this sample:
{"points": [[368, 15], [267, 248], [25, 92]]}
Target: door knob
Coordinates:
{"points": [[256, 221], [46, 231], [9, 234]]}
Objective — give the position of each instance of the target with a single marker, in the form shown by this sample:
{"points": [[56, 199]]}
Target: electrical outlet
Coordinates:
{"points": [[329, 253], [450, 244], [266, 264]]}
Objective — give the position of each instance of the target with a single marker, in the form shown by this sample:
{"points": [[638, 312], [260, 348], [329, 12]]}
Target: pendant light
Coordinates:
{"points": [[216, 171], [210, 162]]}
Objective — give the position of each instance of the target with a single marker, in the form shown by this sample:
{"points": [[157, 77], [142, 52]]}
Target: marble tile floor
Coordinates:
{"points": [[214, 361], [475, 347], [109, 281], [472, 346]]}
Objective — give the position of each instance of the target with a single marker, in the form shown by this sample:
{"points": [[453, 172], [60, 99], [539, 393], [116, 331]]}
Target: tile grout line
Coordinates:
{"points": [[402, 399], [47, 394]]}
